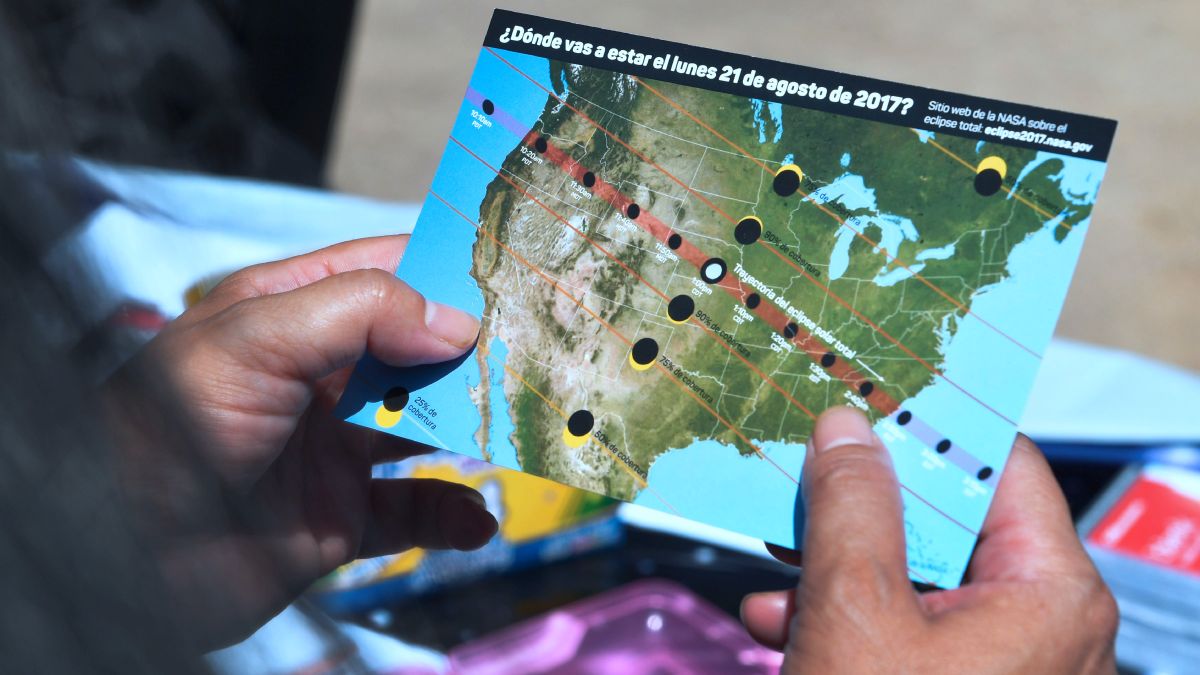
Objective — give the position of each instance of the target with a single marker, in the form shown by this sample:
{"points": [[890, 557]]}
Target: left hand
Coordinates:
{"points": [[271, 492]]}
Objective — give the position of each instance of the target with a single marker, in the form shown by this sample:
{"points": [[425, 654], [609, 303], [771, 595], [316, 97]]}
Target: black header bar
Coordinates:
{"points": [[867, 98]]}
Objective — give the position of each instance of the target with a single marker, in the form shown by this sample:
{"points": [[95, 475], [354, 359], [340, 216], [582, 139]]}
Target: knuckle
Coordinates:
{"points": [[241, 285], [852, 584], [855, 601], [372, 285], [862, 584]]}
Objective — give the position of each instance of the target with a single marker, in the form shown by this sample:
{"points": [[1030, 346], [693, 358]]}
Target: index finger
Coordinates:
{"points": [[280, 276]]}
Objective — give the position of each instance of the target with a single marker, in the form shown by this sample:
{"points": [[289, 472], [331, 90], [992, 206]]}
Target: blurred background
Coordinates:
{"points": [[205, 135]]}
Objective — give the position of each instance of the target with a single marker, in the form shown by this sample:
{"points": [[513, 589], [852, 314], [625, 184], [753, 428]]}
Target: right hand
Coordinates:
{"points": [[1032, 601]]}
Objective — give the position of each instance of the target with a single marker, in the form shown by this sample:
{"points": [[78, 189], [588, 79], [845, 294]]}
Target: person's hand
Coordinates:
{"points": [[272, 491], [1032, 601]]}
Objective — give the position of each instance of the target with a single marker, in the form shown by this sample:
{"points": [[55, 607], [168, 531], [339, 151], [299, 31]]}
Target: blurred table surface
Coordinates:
{"points": [[445, 619]]}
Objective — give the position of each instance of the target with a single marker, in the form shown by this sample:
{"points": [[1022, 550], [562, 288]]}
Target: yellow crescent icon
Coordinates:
{"points": [[791, 167], [992, 162], [386, 419], [572, 440], [639, 366]]}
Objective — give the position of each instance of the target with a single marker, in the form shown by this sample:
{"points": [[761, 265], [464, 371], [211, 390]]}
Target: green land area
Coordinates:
{"points": [[568, 355]]}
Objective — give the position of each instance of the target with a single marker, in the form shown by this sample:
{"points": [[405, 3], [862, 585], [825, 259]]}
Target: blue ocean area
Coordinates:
{"points": [[697, 479], [1078, 180], [438, 259], [978, 358], [503, 451]]}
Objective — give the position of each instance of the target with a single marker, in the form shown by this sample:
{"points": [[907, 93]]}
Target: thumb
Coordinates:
{"points": [[315, 330], [855, 562], [855, 529]]}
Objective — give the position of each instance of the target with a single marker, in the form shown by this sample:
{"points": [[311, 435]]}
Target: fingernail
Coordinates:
{"points": [[841, 426], [775, 600], [450, 325]]}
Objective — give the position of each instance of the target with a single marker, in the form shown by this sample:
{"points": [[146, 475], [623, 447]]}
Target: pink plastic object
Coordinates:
{"points": [[644, 628]]}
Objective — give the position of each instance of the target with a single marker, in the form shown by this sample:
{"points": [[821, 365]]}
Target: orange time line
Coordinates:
{"points": [[613, 136], [824, 288], [564, 415], [646, 485], [879, 329], [767, 378], [617, 139], [697, 120], [799, 269], [841, 221], [1039, 210], [603, 447], [574, 229], [691, 253], [579, 303]]}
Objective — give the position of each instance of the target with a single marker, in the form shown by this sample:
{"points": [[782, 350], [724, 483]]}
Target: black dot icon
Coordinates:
{"points": [[984, 473], [828, 359], [633, 211], [589, 179], [713, 270], [674, 241], [866, 388], [904, 418], [752, 300], [790, 330], [488, 106], [787, 181], [540, 144], [395, 399], [943, 446], [748, 230], [580, 423], [680, 308], [644, 351], [987, 182]]}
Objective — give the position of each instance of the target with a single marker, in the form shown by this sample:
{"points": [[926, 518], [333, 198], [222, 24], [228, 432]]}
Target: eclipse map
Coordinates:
{"points": [[682, 256]]}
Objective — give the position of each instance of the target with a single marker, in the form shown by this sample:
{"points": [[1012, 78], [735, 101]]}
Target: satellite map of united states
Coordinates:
{"points": [[676, 280]]}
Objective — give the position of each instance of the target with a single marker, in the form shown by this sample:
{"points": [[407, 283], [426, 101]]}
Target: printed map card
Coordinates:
{"points": [[682, 256]]}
